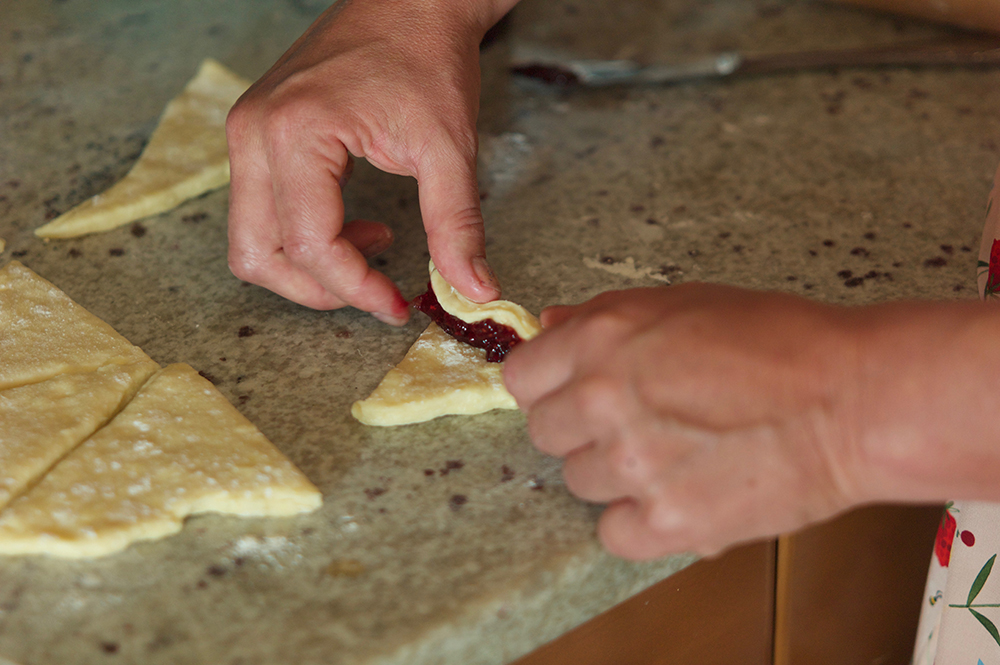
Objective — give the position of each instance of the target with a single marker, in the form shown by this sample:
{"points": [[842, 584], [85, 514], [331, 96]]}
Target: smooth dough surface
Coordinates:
{"points": [[186, 156], [41, 422], [179, 448], [439, 376], [503, 312], [44, 333]]}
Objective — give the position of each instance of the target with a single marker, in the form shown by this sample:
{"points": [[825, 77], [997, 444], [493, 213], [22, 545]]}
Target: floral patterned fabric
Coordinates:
{"points": [[961, 609]]}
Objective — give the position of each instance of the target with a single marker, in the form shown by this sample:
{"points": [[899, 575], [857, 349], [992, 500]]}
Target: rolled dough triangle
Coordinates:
{"points": [[186, 156], [44, 333], [179, 448], [439, 376], [43, 421]]}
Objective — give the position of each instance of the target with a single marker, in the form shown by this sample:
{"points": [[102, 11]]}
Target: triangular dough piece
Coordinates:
{"points": [[186, 156], [43, 333], [439, 376], [43, 421], [178, 449]]}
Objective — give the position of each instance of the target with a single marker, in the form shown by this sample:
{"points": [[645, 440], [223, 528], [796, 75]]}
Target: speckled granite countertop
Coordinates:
{"points": [[453, 541]]}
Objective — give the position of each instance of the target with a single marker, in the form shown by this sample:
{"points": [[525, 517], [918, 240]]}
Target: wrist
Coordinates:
{"points": [[928, 398]]}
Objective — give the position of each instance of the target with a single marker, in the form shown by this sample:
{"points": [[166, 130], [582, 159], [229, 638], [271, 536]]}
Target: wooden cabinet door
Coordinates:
{"points": [[714, 612], [850, 590]]}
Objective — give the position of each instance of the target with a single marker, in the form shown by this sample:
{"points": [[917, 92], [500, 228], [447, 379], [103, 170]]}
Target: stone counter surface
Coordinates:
{"points": [[454, 541]]}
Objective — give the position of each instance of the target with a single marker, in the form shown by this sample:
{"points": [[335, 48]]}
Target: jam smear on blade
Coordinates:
{"points": [[496, 338]]}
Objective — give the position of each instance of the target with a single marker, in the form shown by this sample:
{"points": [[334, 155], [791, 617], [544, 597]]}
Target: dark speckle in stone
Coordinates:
{"points": [[828, 243], [506, 474], [202, 584], [380, 261], [869, 236], [195, 217], [854, 281], [216, 570], [651, 221], [457, 501], [245, 331], [859, 251], [791, 278], [637, 207], [725, 234], [593, 221], [813, 252], [19, 253], [897, 264], [656, 141], [808, 287], [738, 248], [452, 465], [74, 253], [243, 399], [948, 249], [603, 192], [907, 225], [116, 251], [871, 274], [109, 647], [957, 288], [966, 248], [429, 473], [208, 377], [344, 334], [936, 262], [680, 210], [607, 260], [844, 274], [537, 484], [374, 492], [693, 252], [138, 230]]}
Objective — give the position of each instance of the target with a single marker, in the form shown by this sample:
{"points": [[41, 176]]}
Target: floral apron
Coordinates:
{"points": [[960, 614]]}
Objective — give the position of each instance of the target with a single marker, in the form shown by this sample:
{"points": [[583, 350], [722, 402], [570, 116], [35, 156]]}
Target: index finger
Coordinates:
{"points": [[310, 210]]}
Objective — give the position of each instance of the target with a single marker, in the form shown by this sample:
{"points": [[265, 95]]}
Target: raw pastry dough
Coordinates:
{"points": [[178, 449], [440, 376], [186, 156], [503, 312], [43, 421], [43, 333]]}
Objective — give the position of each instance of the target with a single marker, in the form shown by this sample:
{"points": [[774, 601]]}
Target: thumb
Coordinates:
{"points": [[456, 238]]}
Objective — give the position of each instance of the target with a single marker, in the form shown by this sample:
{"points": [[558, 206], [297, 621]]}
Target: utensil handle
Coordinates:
{"points": [[967, 52]]}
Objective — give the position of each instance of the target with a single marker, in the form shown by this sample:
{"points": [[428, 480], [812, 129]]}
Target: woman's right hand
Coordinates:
{"points": [[396, 82]]}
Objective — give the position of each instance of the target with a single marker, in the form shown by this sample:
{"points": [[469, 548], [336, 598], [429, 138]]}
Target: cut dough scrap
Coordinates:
{"points": [[503, 312], [178, 449], [439, 376], [45, 333], [186, 156], [45, 420]]}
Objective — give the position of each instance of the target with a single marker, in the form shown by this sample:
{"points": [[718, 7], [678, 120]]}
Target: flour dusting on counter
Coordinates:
{"points": [[626, 268]]}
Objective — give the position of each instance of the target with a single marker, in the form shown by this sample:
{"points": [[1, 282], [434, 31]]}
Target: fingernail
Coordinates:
{"points": [[389, 318], [485, 274]]}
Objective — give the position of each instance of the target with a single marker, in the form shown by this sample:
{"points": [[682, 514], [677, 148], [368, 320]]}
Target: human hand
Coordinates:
{"points": [[395, 82], [703, 415]]}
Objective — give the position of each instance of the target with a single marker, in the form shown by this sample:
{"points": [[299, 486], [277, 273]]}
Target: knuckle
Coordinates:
{"points": [[606, 326], [598, 397], [301, 250], [245, 267]]}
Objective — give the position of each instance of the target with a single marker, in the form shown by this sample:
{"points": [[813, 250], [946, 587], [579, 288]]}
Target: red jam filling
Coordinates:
{"points": [[496, 338]]}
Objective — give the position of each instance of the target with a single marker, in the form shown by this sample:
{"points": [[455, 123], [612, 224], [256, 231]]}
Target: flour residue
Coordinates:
{"points": [[626, 268], [275, 551]]}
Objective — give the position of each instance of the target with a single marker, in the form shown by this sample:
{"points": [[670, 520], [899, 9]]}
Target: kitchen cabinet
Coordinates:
{"points": [[846, 591]]}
